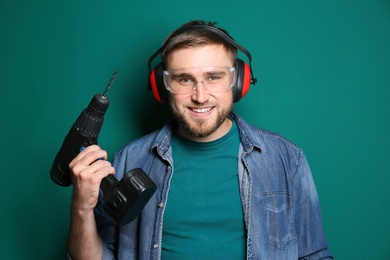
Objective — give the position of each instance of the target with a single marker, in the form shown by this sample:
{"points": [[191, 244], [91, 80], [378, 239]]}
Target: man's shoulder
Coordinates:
{"points": [[142, 142], [263, 138], [265, 134], [159, 137]]}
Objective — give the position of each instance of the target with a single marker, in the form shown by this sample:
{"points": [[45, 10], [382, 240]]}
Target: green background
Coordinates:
{"points": [[324, 78]]}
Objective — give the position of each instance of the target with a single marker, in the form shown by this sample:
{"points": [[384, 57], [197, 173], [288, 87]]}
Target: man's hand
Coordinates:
{"points": [[88, 169]]}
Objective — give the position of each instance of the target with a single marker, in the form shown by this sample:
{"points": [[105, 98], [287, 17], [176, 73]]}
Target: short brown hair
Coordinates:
{"points": [[194, 38]]}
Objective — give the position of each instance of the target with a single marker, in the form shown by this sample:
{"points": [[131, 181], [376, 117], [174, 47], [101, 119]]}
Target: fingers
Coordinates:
{"points": [[89, 155], [90, 161], [89, 167], [93, 172]]}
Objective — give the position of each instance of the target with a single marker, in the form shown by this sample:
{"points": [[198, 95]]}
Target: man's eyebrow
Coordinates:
{"points": [[215, 72], [181, 74]]}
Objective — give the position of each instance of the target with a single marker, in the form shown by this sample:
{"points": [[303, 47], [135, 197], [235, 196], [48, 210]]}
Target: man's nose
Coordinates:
{"points": [[200, 93]]}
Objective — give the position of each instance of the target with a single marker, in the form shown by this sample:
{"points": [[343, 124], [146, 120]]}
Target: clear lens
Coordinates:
{"points": [[185, 81]]}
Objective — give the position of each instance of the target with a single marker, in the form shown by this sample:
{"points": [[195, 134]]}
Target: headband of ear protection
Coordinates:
{"points": [[243, 71]]}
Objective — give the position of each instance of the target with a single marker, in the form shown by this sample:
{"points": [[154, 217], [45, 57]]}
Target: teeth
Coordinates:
{"points": [[201, 110]]}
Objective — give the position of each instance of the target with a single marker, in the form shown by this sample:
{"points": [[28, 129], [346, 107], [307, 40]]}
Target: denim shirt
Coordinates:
{"points": [[280, 203]]}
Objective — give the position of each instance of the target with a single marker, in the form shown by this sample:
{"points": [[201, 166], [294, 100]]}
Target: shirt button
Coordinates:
{"points": [[161, 205], [155, 246]]}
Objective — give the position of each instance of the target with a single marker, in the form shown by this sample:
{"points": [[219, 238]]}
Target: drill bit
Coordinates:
{"points": [[109, 83]]}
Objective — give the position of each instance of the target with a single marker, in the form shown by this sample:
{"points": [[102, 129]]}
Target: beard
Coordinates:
{"points": [[201, 127]]}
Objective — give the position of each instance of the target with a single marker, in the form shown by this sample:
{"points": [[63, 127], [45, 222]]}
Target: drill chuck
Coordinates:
{"points": [[90, 121]]}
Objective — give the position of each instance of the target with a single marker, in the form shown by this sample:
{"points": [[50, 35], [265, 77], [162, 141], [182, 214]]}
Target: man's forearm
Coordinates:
{"points": [[83, 240]]}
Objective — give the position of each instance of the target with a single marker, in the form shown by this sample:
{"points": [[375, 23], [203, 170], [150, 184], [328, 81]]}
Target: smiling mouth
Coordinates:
{"points": [[201, 109]]}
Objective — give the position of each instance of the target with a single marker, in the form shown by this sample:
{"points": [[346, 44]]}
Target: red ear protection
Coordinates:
{"points": [[156, 84], [243, 80], [243, 71]]}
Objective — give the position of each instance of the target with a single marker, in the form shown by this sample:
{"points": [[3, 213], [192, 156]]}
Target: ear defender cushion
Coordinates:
{"points": [[156, 82], [243, 80]]}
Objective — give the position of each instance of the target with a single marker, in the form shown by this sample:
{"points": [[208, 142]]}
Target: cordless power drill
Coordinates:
{"points": [[123, 200]]}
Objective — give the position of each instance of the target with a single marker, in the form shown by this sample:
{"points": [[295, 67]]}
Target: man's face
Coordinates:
{"points": [[202, 116]]}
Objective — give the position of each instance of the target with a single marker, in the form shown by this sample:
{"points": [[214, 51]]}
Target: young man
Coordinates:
{"points": [[226, 189]]}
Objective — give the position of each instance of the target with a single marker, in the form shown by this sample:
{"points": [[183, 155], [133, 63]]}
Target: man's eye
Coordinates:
{"points": [[184, 80], [214, 79]]}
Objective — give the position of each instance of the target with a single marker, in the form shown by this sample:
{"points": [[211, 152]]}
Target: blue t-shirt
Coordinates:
{"points": [[203, 218]]}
